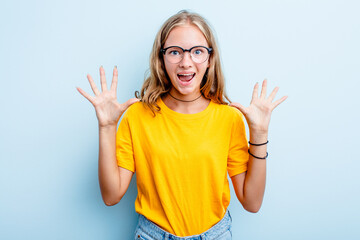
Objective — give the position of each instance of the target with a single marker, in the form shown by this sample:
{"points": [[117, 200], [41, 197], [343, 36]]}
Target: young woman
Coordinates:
{"points": [[182, 138]]}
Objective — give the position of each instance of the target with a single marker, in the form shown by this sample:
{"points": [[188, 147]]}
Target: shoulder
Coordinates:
{"points": [[138, 106], [229, 115], [228, 111], [136, 109]]}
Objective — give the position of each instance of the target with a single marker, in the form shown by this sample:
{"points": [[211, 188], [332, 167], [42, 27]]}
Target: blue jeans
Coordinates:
{"points": [[147, 230]]}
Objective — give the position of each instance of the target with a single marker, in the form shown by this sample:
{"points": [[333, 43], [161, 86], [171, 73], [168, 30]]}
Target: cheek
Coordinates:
{"points": [[169, 69], [205, 67]]}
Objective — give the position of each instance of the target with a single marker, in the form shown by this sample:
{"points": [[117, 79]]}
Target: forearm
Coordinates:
{"points": [[250, 186], [109, 177], [254, 186]]}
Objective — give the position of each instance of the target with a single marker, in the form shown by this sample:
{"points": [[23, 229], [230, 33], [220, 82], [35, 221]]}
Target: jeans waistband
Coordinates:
{"points": [[153, 230]]}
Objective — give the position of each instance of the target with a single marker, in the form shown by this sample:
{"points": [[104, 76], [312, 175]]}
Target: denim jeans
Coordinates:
{"points": [[147, 230]]}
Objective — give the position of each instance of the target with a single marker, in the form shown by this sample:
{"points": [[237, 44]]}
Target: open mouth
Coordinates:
{"points": [[186, 77]]}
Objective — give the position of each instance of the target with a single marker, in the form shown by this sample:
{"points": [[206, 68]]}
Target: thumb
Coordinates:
{"points": [[129, 102], [238, 106]]}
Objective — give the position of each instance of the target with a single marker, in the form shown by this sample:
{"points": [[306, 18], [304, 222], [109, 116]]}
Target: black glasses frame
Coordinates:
{"points": [[163, 50]]}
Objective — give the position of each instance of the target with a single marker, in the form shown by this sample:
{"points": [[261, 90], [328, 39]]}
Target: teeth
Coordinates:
{"points": [[186, 74]]}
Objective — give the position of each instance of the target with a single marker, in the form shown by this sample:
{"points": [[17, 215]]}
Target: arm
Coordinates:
{"points": [[250, 186], [113, 180]]}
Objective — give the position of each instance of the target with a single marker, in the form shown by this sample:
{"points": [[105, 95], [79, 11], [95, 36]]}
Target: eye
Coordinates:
{"points": [[198, 51], [174, 52]]}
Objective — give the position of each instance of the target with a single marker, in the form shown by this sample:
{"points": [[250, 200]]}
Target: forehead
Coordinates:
{"points": [[186, 36]]}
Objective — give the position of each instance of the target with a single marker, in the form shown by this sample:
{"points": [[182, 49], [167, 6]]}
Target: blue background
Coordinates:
{"points": [[49, 136]]}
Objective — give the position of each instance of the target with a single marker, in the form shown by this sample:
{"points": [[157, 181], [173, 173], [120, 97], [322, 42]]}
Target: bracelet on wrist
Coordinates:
{"points": [[259, 144], [267, 154]]}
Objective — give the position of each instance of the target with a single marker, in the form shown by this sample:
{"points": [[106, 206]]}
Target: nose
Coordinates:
{"points": [[186, 61]]}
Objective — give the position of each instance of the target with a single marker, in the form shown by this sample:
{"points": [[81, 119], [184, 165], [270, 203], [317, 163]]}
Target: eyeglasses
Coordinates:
{"points": [[174, 54]]}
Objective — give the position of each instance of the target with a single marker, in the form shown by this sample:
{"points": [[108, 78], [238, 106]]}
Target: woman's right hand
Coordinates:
{"points": [[108, 110]]}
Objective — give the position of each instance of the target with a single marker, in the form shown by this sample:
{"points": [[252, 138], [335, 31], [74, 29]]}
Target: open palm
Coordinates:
{"points": [[258, 114], [108, 109]]}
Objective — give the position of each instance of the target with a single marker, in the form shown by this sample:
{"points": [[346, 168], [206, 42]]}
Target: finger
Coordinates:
{"points": [[255, 92], [273, 93], [239, 106], [263, 89], [86, 95], [276, 103], [93, 85], [114, 80], [129, 102], [102, 79]]}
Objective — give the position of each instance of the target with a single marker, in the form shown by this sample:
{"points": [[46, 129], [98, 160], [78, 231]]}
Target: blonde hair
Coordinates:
{"points": [[158, 83]]}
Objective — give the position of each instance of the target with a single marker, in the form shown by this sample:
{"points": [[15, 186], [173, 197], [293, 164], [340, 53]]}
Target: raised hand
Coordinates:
{"points": [[258, 114], [108, 109]]}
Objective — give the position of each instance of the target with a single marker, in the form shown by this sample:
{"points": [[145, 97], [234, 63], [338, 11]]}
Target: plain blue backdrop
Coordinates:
{"points": [[49, 136]]}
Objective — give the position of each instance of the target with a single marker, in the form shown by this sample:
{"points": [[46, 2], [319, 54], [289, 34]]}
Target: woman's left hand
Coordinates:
{"points": [[258, 114]]}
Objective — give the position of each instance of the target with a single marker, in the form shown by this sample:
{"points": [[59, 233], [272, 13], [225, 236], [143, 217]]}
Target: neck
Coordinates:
{"points": [[182, 100], [186, 105]]}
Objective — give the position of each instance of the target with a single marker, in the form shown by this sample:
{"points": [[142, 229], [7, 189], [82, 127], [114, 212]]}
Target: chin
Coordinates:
{"points": [[185, 91]]}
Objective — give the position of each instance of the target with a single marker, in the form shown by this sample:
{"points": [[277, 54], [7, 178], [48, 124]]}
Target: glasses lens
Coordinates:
{"points": [[174, 54], [199, 54]]}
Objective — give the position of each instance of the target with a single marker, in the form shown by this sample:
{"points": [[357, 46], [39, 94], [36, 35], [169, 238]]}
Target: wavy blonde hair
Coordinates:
{"points": [[157, 83]]}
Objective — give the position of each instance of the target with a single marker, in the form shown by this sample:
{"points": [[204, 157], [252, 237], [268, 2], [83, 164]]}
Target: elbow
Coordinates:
{"points": [[252, 209], [111, 201]]}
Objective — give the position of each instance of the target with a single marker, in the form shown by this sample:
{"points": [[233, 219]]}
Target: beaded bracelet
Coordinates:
{"points": [[258, 157], [259, 144]]}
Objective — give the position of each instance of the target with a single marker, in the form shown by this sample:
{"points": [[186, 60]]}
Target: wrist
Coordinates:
{"points": [[259, 128], [258, 136], [258, 132], [108, 127]]}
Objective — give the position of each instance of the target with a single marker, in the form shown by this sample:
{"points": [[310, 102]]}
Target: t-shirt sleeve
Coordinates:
{"points": [[124, 145], [238, 150]]}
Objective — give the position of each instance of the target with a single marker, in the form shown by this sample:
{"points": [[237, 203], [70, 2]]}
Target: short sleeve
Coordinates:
{"points": [[238, 150], [124, 145]]}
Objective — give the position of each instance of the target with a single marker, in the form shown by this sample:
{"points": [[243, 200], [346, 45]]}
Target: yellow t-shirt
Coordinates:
{"points": [[181, 163]]}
